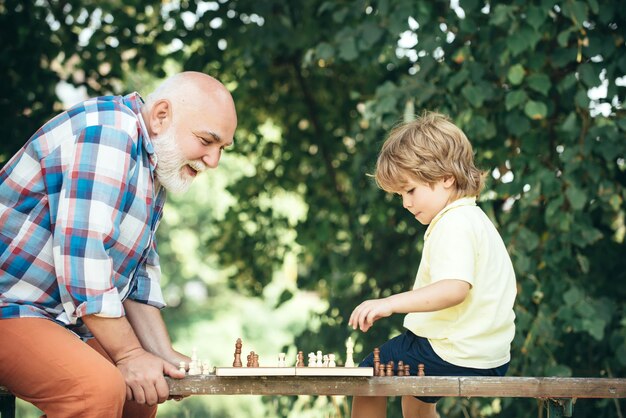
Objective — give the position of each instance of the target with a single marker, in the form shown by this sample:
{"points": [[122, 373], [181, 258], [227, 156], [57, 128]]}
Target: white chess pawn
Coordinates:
{"points": [[281, 360], [331, 360], [325, 361], [181, 367], [320, 359], [312, 360], [205, 368], [349, 352]]}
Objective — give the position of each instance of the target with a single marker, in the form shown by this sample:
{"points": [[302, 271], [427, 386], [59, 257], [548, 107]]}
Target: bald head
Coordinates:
{"points": [[193, 89], [190, 118], [191, 99]]}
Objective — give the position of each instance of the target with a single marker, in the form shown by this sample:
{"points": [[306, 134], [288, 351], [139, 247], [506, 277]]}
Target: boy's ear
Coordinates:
{"points": [[160, 116], [449, 182]]}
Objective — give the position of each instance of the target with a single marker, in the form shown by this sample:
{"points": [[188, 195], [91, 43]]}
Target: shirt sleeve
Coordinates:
{"points": [[147, 287], [96, 171], [453, 250]]}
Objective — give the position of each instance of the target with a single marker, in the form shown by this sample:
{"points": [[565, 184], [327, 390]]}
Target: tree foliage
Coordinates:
{"points": [[537, 86]]}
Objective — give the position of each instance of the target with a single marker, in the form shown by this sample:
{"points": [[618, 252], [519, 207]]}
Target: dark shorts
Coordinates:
{"points": [[414, 350]]}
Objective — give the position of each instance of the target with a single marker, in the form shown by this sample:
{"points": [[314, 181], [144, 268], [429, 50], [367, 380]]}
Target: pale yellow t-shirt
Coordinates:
{"points": [[462, 243]]}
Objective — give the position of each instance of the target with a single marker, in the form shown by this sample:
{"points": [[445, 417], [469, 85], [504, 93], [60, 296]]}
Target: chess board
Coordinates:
{"points": [[294, 371]]}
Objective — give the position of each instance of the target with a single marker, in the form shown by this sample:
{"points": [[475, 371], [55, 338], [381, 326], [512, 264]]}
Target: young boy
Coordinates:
{"points": [[460, 319]]}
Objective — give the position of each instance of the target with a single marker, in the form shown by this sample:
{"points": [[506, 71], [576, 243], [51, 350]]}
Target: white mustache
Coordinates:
{"points": [[199, 166]]}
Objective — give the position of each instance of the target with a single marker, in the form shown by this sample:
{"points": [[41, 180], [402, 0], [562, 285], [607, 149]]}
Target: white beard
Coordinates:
{"points": [[170, 170]]}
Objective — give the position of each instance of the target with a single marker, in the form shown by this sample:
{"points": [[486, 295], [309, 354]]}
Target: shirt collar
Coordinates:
{"points": [[464, 201], [135, 102]]}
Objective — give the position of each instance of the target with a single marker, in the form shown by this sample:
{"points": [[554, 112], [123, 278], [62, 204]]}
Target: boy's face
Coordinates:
{"points": [[424, 201]]}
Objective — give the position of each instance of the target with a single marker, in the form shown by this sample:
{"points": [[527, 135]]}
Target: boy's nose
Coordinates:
{"points": [[406, 202]]}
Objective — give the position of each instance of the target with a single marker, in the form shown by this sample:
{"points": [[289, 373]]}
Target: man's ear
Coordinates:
{"points": [[160, 116]]}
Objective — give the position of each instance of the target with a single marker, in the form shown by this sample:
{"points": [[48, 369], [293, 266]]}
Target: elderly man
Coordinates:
{"points": [[79, 207]]}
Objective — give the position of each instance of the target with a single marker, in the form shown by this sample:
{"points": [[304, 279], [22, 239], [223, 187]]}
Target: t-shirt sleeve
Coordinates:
{"points": [[453, 250]]}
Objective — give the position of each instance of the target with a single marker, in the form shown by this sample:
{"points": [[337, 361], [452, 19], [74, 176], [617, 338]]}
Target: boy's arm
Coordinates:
{"points": [[434, 297]]}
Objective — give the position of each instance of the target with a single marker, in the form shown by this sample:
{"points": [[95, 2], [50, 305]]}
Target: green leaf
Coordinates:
{"points": [[535, 110], [595, 327], [577, 11], [529, 239], [576, 197], [572, 296], [516, 74], [558, 370], [370, 34], [582, 99], [474, 94], [325, 51], [347, 49], [570, 124], [535, 16], [539, 82], [340, 15], [553, 209], [514, 99], [517, 124], [501, 14], [589, 74], [583, 262], [563, 37]]}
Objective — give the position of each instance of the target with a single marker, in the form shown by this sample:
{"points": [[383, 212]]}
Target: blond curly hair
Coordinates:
{"points": [[428, 149]]}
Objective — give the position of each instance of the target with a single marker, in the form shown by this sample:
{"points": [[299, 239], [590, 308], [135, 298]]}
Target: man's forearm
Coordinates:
{"points": [[149, 327], [115, 335]]}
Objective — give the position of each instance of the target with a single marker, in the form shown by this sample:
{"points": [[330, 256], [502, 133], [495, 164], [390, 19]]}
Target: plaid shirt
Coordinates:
{"points": [[78, 215]]}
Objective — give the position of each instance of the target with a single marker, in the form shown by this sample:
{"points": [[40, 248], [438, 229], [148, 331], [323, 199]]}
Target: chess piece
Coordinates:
{"points": [[255, 360], [407, 370], [420, 370], [381, 371], [331, 361], [181, 367], [237, 362], [300, 362], [389, 369], [205, 368], [325, 360], [281, 360], [376, 360], [249, 359], [320, 359], [312, 360], [349, 352], [400, 368]]}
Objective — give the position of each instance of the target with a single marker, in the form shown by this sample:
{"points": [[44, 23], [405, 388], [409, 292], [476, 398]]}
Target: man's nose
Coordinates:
{"points": [[212, 157]]}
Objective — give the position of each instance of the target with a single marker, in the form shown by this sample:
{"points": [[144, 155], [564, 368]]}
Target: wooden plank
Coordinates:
{"points": [[312, 385], [524, 387], [514, 387], [543, 387]]}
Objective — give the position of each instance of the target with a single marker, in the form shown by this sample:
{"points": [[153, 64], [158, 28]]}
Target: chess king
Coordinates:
{"points": [[79, 208]]}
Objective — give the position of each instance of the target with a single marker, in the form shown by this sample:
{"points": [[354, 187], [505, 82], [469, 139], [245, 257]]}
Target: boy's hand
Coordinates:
{"points": [[368, 312]]}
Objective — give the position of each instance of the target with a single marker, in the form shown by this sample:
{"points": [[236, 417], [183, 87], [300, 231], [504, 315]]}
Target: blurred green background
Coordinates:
{"points": [[289, 234]]}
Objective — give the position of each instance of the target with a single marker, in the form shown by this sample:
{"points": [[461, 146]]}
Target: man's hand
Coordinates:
{"points": [[143, 373]]}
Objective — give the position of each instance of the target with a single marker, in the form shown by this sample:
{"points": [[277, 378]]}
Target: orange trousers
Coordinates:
{"points": [[50, 367]]}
